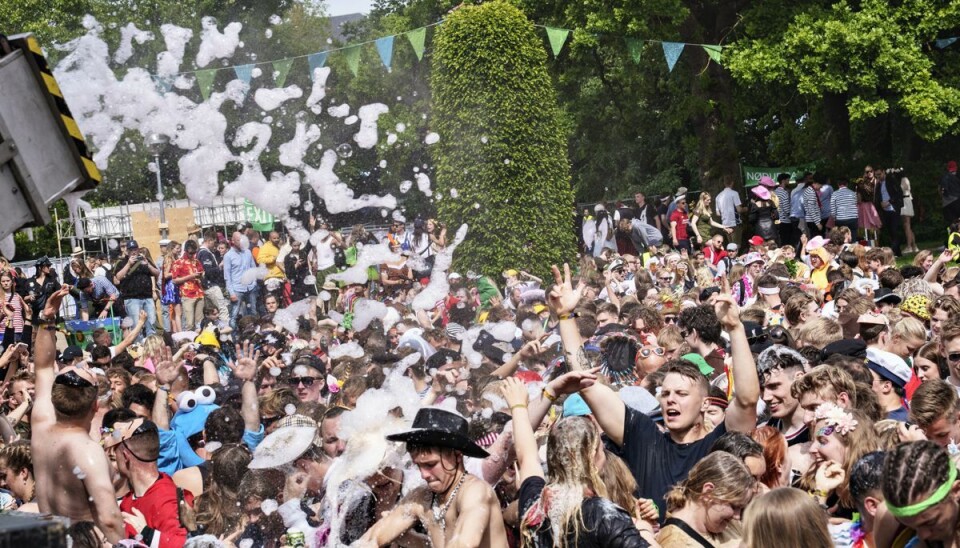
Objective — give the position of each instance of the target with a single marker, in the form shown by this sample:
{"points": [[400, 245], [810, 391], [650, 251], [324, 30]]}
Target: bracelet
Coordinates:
{"points": [[569, 316], [519, 405], [546, 393], [164, 387]]}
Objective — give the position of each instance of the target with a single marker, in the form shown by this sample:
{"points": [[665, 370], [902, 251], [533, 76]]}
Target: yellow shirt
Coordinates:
{"points": [[268, 258]]}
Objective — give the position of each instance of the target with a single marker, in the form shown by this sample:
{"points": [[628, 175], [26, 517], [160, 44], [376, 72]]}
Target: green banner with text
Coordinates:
{"points": [[752, 175], [260, 219]]}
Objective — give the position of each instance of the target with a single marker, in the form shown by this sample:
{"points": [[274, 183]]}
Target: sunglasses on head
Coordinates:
{"points": [[71, 378], [306, 381]]}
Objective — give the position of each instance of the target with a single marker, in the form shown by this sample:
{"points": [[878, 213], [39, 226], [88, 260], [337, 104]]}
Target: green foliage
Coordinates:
{"points": [[876, 53], [502, 142]]}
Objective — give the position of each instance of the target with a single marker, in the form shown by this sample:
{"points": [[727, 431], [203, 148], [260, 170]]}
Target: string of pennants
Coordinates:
{"points": [[557, 38]]}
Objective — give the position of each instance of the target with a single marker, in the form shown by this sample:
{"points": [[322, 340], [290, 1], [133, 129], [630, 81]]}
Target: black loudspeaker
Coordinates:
{"points": [[18, 530]]}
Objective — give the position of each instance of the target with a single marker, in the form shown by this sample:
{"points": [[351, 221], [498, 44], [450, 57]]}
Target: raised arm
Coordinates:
{"points": [[945, 257], [742, 413], [166, 372], [524, 442], [245, 369], [44, 359], [607, 408], [134, 333]]}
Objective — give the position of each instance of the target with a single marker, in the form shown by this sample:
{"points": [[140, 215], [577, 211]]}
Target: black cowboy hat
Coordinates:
{"points": [[435, 427]]}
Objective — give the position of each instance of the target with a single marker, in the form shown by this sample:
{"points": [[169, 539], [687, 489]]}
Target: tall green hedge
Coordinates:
{"points": [[501, 163]]}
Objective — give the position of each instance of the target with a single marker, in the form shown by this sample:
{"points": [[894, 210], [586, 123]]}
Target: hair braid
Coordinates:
{"points": [[913, 470]]}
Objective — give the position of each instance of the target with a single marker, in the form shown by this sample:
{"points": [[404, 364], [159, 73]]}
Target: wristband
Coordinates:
{"points": [[569, 316], [519, 405], [164, 387], [546, 393]]}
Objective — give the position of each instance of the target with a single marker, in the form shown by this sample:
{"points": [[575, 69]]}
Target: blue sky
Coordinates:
{"points": [[343, 7]]}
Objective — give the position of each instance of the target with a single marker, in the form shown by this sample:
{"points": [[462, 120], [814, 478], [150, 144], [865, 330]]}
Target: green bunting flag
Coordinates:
{"points": [[417, 38], [280, 70], [352, 54], [558, 37], [205, 80], [635, 48], [714, 53]]}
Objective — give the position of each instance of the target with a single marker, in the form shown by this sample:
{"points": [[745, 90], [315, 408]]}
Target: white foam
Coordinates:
{"points": [[215, 44], [128, 34], [367, 136], [271, 99]]}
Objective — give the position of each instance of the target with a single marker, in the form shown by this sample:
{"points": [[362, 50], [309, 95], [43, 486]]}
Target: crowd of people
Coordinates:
{"points": [[794, 388]]}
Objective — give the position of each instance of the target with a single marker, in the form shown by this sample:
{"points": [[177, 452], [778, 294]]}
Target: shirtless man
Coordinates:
{"points": [[455, 508], [73, 469]]}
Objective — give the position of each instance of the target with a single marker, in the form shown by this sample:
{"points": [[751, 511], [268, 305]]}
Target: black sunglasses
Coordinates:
{"points": [[669, 319], [71, 378], [307, 381], [954, 357]]}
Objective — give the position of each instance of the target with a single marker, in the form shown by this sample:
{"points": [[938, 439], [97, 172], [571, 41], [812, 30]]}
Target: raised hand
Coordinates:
{"points": [[727, 311], [574, 381], [245, 368], [166, 370], [829, 476], [52, 306], [515, 392], [563, 298]]}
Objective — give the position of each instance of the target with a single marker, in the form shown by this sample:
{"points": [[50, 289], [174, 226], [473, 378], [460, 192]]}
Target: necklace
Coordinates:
{"points": [[440, 512]]}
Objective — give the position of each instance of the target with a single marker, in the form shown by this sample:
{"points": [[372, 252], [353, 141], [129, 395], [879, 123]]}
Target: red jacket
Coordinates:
{"points": [[160, 507]]}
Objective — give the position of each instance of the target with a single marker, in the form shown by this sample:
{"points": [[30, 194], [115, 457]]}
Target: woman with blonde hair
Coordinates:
{"points": [[701, 219], [569, 507], [170, 293], [785, 517], [153, 348], [702, 510], [839, 438]]}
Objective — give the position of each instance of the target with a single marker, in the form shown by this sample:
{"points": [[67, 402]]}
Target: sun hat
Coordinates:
{"points": [[767, 181], [761, 192], [750, 258], [885, 295], [916, 305], [435, 427]]}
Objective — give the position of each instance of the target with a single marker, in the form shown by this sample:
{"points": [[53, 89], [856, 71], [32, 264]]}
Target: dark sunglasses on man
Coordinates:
{"points": [[296, 381]]}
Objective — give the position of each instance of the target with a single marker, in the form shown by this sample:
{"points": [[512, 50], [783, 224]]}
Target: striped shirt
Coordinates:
{"points": [[811, 205], [844, 204], [783, 204]]}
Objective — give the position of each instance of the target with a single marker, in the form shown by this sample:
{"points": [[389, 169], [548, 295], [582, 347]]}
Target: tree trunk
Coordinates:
{"points": [[713, 122]]}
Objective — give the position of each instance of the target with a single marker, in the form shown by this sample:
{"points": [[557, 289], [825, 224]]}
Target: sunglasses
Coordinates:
{"points": [[646, 352], [684, 333], [669, 319], [71, 378], [306, 381], [954, 357], [268, 421]]}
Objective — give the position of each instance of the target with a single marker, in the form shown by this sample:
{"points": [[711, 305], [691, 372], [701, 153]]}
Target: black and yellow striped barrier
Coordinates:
{"points": [[34, 55]]}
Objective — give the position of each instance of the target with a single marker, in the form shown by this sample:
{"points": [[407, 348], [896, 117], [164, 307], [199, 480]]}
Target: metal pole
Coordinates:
{"points": [[163, 216]]}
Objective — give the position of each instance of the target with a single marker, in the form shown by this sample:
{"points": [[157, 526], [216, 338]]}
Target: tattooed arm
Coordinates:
{"points": [[606, 406]]}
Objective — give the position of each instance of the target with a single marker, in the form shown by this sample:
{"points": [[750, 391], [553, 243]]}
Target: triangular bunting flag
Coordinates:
{"points": [[205, 80], [946, 42], [417, 38], [385, 49], [352, 54], [557, 37], [672, 51], [164, 83], [714, 52], [317, 60], [281, 68], [635, 48], [244, 73]]}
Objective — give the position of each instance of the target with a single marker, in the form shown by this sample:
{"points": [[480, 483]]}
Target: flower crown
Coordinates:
{"points": [[838, 420]]}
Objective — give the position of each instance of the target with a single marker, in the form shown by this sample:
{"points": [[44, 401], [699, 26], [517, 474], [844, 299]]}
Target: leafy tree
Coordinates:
{"points": [[502, 153]]}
